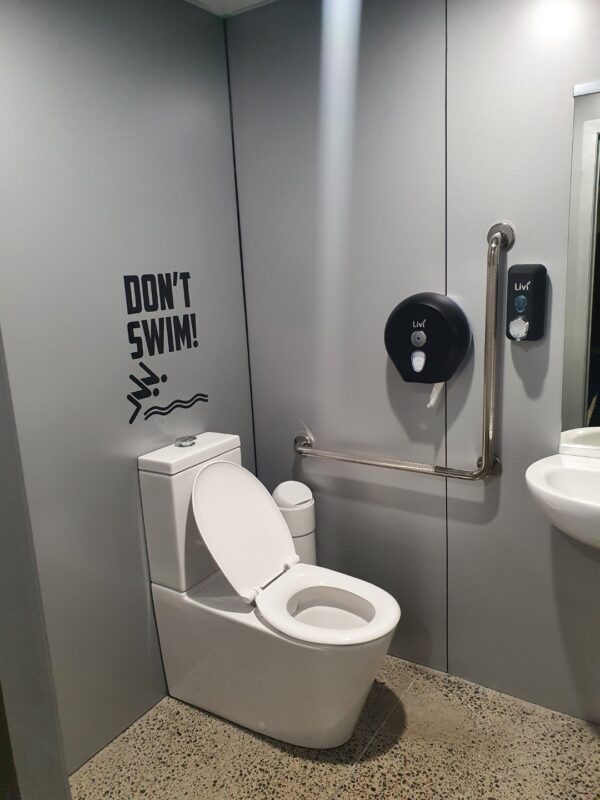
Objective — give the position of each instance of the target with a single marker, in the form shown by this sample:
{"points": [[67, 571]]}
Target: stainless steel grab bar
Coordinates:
{"points": [[501, 237]]}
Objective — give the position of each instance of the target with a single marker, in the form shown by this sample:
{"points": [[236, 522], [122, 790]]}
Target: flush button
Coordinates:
{"points": [[185, 441], [418, 338], [417, 359]]}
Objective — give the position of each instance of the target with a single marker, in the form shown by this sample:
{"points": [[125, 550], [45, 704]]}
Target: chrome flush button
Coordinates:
{"points": [[185, 441]]}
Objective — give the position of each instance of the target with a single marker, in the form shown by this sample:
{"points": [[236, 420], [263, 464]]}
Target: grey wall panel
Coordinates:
{"points": [[316, 335], [524, 601], [116, 159], [29, 727]]}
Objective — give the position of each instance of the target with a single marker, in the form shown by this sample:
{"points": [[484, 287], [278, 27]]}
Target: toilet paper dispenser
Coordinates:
{"points": [[427, 337]]}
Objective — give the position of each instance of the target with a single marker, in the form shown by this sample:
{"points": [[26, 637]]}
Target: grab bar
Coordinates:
{"points": [[501, 236]]}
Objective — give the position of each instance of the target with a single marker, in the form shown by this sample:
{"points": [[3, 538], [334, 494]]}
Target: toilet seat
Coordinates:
{"points": [[322, 606], [248, 538], [242, 527]]}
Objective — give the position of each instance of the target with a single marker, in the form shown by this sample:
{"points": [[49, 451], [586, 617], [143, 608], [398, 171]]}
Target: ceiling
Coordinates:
{"points": [[226, 8]]}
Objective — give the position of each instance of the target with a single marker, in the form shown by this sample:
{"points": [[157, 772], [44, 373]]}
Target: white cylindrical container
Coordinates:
{"points": [[296, 503]]}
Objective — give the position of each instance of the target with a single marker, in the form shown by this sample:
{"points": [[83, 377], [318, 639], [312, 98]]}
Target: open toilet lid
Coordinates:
{"points": [[242, 527]]}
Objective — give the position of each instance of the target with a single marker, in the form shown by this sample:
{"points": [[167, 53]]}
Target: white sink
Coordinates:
{"points": [[580, 442], [567, 489]]}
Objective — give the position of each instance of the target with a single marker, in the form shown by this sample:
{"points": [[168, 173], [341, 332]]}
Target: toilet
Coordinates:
{"points": [[246, 630]]}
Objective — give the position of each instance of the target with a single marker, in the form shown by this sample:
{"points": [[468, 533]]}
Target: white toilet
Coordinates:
{"points": [[246, 630]]}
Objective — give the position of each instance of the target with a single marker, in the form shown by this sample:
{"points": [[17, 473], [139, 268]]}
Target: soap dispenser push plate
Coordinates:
{"points": [[526, 302]]}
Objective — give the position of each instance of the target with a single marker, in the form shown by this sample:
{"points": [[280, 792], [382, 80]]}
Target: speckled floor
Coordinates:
{"points": [[422, 736]]}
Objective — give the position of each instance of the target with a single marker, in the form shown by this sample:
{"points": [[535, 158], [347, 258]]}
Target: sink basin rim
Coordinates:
{"points": [[575, 442], [573, 514], [547, 466]]}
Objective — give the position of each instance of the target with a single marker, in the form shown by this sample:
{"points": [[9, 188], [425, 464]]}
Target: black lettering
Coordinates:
{"points": [[185, 278], [165, 291], [149, 292], [169, 324], [132, 294], [154, 334], [194, 332], [182, 332], [137, 341]]}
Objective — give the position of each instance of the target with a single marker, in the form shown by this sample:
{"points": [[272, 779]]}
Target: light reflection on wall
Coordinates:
{"points": [[339, 61], [555, 21]]}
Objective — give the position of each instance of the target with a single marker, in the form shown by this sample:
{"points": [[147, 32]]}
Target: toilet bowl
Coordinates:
{"points": [[283, 648], [318, 605]]}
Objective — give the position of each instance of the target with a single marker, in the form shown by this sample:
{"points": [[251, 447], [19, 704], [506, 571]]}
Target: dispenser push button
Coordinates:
{"points": [[417, 358], [518, 328]]}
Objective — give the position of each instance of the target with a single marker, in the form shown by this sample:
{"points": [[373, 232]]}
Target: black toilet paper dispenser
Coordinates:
{"points": [[427, 336]]}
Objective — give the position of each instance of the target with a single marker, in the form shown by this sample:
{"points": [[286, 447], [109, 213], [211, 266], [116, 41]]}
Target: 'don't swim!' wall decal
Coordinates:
{"points": [[158, 335]]}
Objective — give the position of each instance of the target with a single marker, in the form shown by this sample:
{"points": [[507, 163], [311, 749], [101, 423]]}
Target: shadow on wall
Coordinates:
{"points": [[9, 789], [575, 596], [531, 359], [393, 497], [403, 404]]}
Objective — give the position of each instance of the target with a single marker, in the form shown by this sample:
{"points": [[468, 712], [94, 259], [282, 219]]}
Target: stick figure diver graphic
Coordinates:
{"points": [[144, 391]]}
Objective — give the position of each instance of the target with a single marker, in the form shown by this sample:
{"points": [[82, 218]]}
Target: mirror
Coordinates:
{"points": [[581, 374]]}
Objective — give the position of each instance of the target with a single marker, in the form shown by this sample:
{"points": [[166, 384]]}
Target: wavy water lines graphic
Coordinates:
{"points": [[199, 397]]}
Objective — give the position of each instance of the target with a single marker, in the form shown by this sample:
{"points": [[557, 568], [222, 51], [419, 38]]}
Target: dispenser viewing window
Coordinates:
{"points": [[427, 336]]}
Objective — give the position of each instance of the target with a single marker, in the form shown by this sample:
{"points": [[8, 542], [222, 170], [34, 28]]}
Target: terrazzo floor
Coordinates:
{"points": [[422, 736]]}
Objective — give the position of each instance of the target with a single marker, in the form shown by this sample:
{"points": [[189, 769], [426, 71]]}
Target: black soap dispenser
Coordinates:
{"points": [[526, 302]]}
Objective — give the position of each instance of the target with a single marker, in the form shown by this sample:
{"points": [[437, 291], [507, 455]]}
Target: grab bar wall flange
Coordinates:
{"points": [[501, 237]]}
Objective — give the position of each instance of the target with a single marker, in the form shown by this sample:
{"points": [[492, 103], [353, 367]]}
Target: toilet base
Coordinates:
{"points": [[220, 656]]}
